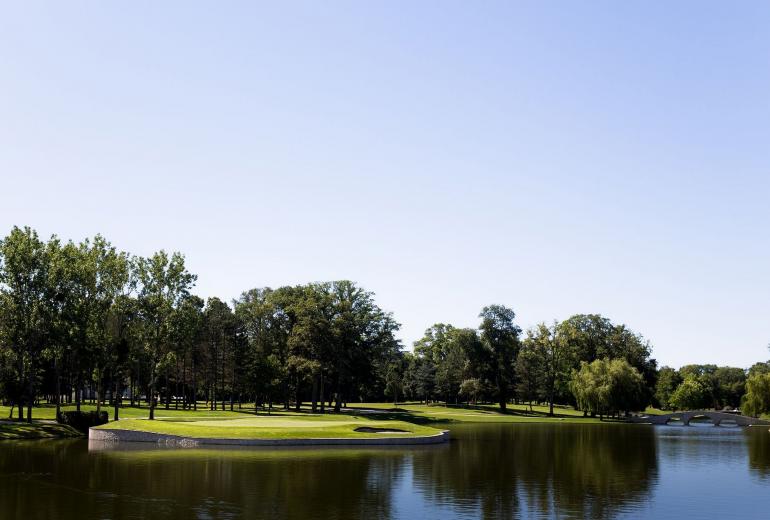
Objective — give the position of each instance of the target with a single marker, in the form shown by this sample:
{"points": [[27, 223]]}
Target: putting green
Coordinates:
{"points": [[299, 426]]}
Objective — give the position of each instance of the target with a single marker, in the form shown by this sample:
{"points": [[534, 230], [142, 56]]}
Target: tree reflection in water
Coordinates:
{"points": [[64, 480], [581, 471], [758, 442], [489, 471]]}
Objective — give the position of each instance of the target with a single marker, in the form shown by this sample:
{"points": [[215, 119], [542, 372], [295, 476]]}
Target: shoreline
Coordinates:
{"points": [[36, 430], [119, 435]]}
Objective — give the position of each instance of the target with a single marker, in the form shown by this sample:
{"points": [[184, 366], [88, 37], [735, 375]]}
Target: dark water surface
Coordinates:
{"points": [[487, 471]]}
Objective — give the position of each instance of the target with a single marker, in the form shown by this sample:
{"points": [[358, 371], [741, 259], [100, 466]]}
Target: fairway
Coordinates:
{"points": [[274, 421]]}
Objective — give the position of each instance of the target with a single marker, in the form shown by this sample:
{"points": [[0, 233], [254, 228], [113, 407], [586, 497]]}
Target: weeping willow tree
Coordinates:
{"points": [[757, 398], [607, 387]]}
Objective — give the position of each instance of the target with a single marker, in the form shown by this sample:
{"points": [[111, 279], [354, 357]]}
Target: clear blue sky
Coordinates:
{"points": [[556, 157]]}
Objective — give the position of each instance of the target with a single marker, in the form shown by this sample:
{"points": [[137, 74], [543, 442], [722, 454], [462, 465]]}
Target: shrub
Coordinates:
{"points": [[82, 421]]}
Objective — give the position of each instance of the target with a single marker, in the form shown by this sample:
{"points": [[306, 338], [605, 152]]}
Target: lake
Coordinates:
{"points": [[487, 471]]}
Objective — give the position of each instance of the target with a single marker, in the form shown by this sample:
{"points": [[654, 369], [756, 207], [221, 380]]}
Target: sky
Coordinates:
{"points": [[555, 157]]}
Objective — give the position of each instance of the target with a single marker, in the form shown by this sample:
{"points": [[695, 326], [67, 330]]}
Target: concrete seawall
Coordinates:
{"points": [[191, 442]]}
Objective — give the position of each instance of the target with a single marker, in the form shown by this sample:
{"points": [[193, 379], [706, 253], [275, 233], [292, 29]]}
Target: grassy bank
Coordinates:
{"points": [[19, 430], [444, 415]]}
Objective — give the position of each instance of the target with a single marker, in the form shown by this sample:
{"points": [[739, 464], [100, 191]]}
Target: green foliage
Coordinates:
{"points": [[723, 386], [82, 421], [471, 389], [760, 368], [27, 307], [731, 385], [164, 283], [421, 378], [394, 377], [757, 399], [530, 373], [608, 386], [691, 394], [500, 336], [668, 381], [329, 337], [554, 370], [588, 337], [84, 321], [443, 348]]}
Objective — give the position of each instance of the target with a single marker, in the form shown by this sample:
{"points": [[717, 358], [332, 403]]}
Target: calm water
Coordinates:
{"points": [[488, 471]]}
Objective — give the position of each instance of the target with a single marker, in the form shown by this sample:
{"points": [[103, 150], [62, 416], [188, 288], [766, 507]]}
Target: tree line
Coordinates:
{"points": [[585, 361], [87, 322], [84, 321], [710, 386], [559, 363]]}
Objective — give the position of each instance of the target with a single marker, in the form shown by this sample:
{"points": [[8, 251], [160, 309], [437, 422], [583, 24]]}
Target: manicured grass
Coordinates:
{"points": [[438, 414], [415, 418], [36, 430], [283, 425], [48, 411]]}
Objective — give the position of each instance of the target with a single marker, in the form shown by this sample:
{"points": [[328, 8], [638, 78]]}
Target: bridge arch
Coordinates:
{"points": [[704, 417], [684, 417], [675, 420]]}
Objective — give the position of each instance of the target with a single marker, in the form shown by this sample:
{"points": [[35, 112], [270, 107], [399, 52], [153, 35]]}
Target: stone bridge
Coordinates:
{"points": [[685, 417]]}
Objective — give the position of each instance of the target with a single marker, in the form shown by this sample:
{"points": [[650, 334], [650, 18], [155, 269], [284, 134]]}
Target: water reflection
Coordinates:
{"points": [[487, 471], [758, 442], [581, 471]]}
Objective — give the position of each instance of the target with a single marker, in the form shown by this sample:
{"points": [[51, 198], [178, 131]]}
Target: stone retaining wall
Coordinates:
{"points": [[175, 440]]}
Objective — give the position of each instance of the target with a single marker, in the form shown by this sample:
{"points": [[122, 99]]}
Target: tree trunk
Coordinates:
{"points": [[550, 398], [222, 380], [58, 388], [232, 385], [338, 396], [297, 399], [314, 395], [194, 385], [321, 394], [185, 389], [98, 391], [503, 397], [152, 393], [116, 400], [78, 395], [30, 396], [168, 391]]}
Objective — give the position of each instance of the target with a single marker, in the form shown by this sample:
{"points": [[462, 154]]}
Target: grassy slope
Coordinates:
{"points": [[439, 414], [15, 431]]}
